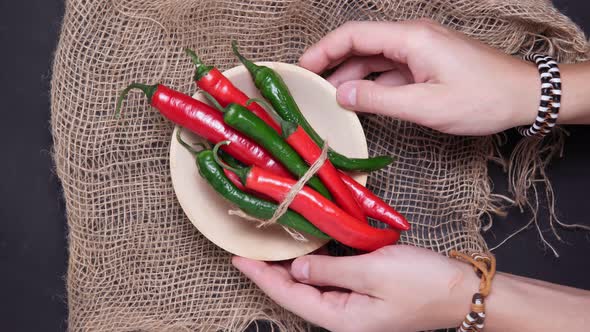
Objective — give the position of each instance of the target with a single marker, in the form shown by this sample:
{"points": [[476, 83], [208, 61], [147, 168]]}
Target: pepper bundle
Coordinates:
{"points": [[264, 152]]}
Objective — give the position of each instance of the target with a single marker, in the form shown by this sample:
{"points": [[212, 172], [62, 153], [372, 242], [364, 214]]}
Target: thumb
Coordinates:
{"points": [[410, 102], [355, 273]]}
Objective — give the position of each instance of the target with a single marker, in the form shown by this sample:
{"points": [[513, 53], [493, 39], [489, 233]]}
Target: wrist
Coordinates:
{"points": [[526, 95], [547, 307], [462, 286], [575, 104]]}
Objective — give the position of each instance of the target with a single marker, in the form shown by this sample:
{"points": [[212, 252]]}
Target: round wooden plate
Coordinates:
{"points": [[208, 211]]}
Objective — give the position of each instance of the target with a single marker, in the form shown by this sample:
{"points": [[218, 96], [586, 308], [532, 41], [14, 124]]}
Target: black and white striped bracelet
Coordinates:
{"points": [[548, 110]]}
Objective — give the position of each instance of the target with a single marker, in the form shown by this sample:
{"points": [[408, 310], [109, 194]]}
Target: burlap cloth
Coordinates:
{"points": [[135, 261]]}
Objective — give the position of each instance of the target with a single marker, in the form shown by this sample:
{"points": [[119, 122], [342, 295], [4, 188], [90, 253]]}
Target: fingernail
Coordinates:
{"points": [[235, 260], [300, 269], [346, 94]]}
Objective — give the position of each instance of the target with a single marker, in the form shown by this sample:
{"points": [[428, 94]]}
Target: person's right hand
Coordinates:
{"points": [[431, 75]]}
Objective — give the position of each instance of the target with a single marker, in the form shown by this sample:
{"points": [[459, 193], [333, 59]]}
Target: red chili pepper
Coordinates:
{"points": [[212, 81], [300, 141], [362, 198], [374, 206], [321, 212], [206, 122], [235, 179]]}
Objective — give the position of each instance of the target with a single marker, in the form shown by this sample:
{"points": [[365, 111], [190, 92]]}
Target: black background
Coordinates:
{"points": [[33, 231]]}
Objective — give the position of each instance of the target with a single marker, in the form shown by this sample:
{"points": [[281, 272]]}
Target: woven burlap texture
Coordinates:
{"points": [[135, 261]]}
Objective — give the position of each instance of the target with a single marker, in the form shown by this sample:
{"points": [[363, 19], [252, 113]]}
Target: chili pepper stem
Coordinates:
{"points": [[233, 162], [241, 172], [194, 57], [148, 90], [251, 66], [262, 102], [205, 145], [186, 145], [213, 101], [287, 127], [271, 111], [201, 69], [266, 107]]}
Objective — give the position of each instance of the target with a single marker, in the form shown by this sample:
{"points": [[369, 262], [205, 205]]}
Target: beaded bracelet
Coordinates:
{"points": [[485, 268], [548, 110]]}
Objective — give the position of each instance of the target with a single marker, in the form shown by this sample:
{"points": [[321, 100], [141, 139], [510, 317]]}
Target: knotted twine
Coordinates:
{"points": [[293, 192]]}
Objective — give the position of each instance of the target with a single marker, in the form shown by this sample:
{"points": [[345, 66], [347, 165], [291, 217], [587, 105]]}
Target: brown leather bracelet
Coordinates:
{"points": [[485, 268]]}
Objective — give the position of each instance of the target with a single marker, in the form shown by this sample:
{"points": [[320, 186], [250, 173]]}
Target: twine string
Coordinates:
{"points": [[293, 192]]}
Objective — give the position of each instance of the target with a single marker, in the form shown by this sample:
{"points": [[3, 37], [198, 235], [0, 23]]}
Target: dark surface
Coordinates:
{"points": [[525, 254], [33, 246], [33, 253]]}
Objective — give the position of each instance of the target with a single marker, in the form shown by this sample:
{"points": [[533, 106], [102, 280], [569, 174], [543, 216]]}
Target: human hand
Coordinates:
{"points": [[431, 75], [396, 288]]}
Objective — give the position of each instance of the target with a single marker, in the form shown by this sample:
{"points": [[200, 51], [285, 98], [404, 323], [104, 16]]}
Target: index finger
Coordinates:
{"points": [[358, 38]]}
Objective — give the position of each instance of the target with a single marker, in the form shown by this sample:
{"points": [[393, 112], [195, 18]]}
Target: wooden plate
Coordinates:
{"points": [[208, 211]]}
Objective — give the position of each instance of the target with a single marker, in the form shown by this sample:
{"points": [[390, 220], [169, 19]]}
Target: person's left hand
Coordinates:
{"points": [[396, 288]]}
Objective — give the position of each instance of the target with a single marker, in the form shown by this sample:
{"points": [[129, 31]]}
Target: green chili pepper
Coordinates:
{"points": [[246, 122], [273, 88], [253, 206]]}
